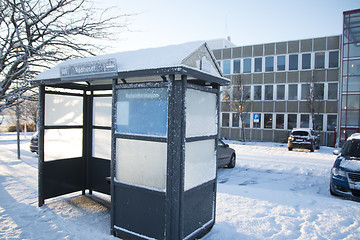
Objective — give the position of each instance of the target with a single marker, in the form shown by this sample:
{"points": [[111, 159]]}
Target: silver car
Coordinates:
{"points": [[226, 156]]}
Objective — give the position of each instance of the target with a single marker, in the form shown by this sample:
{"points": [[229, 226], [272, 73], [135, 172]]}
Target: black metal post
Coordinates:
{"points": [[41, 126], [176, 156]]}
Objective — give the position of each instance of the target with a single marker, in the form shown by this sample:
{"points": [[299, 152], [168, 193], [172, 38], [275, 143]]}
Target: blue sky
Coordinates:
{"points": [[166, 22]]}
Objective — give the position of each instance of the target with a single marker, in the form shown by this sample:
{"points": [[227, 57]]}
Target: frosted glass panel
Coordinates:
{"points": [[102, 111], [141, 163], [201, 113], [142, 111], [62, 143], [200, 163], [102, 143], [63, 110]]}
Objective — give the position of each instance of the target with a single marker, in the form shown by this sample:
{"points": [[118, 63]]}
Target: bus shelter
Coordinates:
{"points": [[141, 126]]}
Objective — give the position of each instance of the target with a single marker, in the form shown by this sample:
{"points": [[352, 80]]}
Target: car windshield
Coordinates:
{"points": [[300, 133], [351, 148]]}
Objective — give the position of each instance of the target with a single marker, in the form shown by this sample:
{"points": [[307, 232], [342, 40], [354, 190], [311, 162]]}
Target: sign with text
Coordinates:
{"points": [[88, 68], [256, 117]]}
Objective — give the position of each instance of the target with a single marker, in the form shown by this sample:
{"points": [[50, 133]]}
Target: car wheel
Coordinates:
{"points": [[290, 149], [332, 193], [312, 147], [232, 161]]}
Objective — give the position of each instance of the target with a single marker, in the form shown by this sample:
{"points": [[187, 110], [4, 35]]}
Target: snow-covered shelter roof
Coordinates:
{"points": [[191, 58]]}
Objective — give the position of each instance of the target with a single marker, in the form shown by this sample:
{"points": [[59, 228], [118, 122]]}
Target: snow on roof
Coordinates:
{"points": [[220, 43], [150, 58]]}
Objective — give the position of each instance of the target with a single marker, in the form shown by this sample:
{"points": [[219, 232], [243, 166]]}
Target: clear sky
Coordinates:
{"points": [[247, 22]]}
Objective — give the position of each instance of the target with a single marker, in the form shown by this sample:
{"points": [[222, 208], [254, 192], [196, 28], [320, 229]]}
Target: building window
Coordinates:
{"points": [[236, 68], [293, 92], [292, 118], [306, 61], [246, 92], [269, 64], [280, 63], [235, 120], [333, 59], [304, 120], [268, 120], [319, 91], [225, 120], [258, 64], [257, 92], [226, 67], [320, 60], [331, 122], [293, 62], [280, 121], [269, 92], [236, 93], [332, 90], [305, 91], [280, 92], [318, 123], [247, 65], [246, 122], [257, 124]]}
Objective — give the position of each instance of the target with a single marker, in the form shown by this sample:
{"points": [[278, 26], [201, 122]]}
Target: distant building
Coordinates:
{"points": [[276, 80]]}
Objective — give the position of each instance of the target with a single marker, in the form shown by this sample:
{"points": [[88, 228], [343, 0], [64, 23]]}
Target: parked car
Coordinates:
{"points": [[34, 142], [303, 138], [226, 156], [345, 174]]}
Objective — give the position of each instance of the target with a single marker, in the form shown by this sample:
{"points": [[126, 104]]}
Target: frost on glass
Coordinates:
{"points": [[201, 113], [141, 163], [102, 143], [200, 163], [63, 110], [102, 111], [142, 111], [63, 143]]}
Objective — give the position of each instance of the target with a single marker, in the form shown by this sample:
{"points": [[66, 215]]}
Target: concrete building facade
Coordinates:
{"points": [[276, 87]]}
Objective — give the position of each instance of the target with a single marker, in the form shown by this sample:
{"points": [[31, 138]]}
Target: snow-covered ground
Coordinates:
{"points": [[270, 194]]}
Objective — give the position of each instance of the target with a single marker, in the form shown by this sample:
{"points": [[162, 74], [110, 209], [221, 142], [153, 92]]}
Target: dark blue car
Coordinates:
{"points": [[345, 174]]}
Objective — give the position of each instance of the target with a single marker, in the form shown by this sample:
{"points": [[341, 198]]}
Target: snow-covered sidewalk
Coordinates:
{"points": [[270, 194]]}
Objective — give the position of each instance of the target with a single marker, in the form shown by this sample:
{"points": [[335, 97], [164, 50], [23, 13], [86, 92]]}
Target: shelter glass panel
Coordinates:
{"points": [[102, 143], [201, 113], [141, 163], [63, 110], [200, 163], [102, 111], [63, 143], [142, 111]]}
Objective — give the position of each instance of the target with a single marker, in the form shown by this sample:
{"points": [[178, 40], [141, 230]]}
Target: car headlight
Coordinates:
{"points": [[338, 172]]}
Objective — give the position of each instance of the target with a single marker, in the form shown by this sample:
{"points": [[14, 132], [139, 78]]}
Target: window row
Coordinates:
{"points": [[316, 60], [320, 91], [322, 122]]}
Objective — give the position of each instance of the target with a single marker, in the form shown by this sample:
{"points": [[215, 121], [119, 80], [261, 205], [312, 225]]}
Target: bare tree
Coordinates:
{"points": [[36, 34], [240, 101], [314, 101]]}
